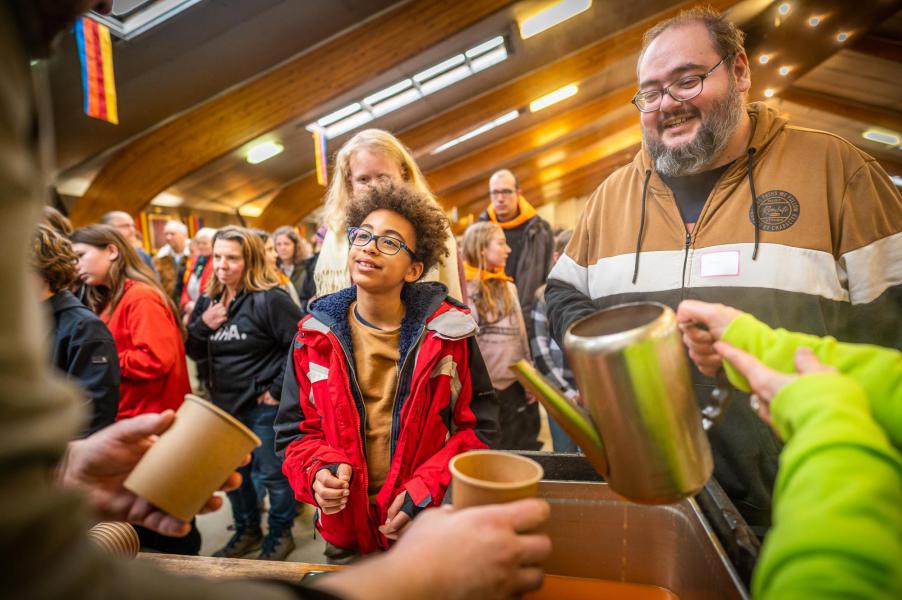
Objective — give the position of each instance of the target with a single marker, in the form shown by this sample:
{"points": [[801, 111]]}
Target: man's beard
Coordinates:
{"points": [[713, 136]]}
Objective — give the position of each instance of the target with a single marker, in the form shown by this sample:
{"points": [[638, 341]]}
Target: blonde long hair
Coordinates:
{"points": [[492, 297], [126, 266], [375, 141], [258, 276]]}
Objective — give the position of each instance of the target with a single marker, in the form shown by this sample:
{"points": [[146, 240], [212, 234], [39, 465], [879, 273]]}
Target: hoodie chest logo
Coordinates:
{"points": [[228, 334], [778, 210]]}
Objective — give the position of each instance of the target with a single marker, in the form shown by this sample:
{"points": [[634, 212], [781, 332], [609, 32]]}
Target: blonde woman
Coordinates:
{"points": [[372, 156], [244, 325], [502, 340]]}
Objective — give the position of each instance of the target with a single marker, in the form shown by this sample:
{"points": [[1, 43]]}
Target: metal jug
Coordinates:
{"points": [[646, 434]]}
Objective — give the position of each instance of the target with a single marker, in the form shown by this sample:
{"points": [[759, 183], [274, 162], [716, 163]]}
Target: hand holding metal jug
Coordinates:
{"points": [[633, 375]]}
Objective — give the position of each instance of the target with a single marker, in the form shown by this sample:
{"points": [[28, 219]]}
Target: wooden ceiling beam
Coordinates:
{"points": [[160, 158], [577, 66], [879, 47], [548, 131], [554, 159], [538, 185], [421, 138], [842, 107]]}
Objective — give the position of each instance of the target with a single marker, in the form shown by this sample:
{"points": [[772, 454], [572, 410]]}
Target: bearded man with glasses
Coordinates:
{"points": [[727, 202]]}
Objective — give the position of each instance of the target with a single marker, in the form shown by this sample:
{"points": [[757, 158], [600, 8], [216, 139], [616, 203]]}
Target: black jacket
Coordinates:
{"points": [[84, 349], [248, 353]]}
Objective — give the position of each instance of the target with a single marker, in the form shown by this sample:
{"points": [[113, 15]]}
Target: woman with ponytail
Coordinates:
{"points": [[502, 340]]}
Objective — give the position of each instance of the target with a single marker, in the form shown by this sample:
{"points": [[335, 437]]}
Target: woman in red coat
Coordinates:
{"points": [[144, 322], [142, 318]]}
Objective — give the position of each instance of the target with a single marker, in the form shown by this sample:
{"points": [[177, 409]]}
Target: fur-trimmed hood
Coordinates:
{"points": [[427, 305]]}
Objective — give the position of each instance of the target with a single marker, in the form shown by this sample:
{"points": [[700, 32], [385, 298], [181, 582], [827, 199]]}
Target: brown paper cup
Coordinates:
{"points": [[491, 477], [116, 538], [191, 459]]}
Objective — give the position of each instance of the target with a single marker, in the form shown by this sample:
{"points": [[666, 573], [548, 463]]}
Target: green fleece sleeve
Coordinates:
{"points": [[838, 498], [877, 370]]}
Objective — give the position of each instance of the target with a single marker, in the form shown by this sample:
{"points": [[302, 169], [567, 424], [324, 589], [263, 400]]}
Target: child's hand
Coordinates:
{"points": [[331, 491], [396, 519]]}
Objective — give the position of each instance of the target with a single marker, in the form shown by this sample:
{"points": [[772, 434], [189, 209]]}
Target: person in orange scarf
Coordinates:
{"points": [[502, 340], [529, 236]]}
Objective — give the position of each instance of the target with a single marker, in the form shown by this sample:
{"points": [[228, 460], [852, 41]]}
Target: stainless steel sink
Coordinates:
{"points": [[596, 534]]}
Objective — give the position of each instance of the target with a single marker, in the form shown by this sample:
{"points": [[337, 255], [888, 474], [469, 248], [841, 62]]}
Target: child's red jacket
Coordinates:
{"points": [[444, 405]]}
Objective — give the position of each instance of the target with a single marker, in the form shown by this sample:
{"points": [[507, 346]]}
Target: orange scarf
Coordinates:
{"points": [[525, 213], [475, 273]]}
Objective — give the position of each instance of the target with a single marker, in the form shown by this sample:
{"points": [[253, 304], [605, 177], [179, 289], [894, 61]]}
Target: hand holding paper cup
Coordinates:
{"points": [[492, 477], [189, 462]]}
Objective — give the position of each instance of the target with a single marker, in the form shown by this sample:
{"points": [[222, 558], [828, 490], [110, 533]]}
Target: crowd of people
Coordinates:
{"points": [[367, 357]]}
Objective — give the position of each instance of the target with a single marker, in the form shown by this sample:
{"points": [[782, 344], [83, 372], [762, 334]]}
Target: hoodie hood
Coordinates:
{"points": [[766, 125]]}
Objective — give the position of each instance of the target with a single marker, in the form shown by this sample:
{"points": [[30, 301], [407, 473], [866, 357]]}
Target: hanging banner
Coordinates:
{"points": [[95, 51], [319, 149]]}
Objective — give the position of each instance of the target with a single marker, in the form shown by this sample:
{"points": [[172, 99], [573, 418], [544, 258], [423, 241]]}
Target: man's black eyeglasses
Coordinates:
{"points": [[680, 90], [385, 244]]}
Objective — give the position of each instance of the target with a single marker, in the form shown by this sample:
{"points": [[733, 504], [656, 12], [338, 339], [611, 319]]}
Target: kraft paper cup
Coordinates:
{"points": [[492, 477], [191, 459], [116, 538]]}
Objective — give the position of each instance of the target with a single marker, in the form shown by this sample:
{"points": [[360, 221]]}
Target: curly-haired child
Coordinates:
{"points": [[385, 384]]}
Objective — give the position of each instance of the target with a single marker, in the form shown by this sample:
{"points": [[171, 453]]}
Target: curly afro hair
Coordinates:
{"points": [[427, 218]]}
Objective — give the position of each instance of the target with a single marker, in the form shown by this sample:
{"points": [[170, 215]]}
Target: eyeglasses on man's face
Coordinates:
{"points": [[385, 244], [505, 193], [681, 90]]}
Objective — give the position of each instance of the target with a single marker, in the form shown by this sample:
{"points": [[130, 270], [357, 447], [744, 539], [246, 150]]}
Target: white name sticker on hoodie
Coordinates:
{"points": [[720, 264]]}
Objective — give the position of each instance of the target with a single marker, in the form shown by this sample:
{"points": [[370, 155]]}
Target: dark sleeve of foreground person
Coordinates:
{"points": [[43, 545]]}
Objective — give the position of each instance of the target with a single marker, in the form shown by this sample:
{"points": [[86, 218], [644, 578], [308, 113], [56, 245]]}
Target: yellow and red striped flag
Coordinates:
{"points": [[95, 50], [320, 156]]}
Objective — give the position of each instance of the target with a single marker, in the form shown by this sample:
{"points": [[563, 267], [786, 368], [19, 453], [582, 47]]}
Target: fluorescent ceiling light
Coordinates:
{"points": [[439, 68], [557, 13], [348, 124], [445, 79], [409, 90], [396, 102], [388, 92], [338, 115], [263, 151], [882, 136], [505, 118], [896, 180], [487, 60], [554, 97], [167, 199], [485, 47]]}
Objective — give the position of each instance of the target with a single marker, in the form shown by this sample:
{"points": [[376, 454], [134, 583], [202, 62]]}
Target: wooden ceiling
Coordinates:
{"points": [[561, 152]]}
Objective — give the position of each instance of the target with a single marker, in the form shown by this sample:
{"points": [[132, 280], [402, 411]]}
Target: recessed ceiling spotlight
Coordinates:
{"points": [[842, 36], [814, 21], [784, 71], [769, 93], [784, 8], [764, 58]]}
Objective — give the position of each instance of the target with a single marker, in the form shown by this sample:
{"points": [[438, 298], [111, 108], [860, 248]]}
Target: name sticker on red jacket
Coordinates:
{"points": [[720, 264]]}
